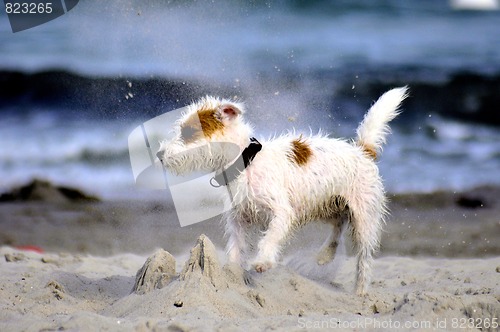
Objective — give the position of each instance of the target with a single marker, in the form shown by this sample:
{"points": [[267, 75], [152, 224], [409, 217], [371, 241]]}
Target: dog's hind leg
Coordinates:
{"points": [[329, 248], [366, 221]]}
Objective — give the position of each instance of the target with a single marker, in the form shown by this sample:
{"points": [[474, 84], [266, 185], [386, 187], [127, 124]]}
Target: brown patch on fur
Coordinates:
{"points": [[301, 151], [207, 119], [370, 151]]}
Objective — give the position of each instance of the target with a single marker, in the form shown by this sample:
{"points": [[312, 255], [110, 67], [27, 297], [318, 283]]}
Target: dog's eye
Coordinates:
{"points": [[187, 133]]}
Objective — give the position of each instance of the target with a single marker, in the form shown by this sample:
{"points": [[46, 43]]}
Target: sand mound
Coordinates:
{"points": [[157, 271], [218, 292]]}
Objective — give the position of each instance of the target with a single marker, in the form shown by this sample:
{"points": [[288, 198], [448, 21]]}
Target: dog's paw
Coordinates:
{"points": [[321, 261], [326, 255], [262, 267], [361, 291]]}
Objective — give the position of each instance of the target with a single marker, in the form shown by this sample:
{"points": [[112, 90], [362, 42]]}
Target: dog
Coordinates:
{"points": [[290, 180]]}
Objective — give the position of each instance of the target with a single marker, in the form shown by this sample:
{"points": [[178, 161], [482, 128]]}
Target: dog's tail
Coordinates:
{"points": [[372, 131]]}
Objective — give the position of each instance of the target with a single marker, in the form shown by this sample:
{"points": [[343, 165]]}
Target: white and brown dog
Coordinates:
{"points": [[289, 181]]}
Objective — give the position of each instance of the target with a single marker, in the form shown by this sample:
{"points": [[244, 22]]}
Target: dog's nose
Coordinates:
{"points": [[159, 154]]}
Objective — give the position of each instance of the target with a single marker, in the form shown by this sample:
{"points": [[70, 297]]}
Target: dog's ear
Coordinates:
{"points": [[228, 112]]}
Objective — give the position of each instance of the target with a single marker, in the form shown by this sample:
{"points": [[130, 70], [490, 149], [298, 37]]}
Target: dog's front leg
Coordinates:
{"points": [[269, 246], [236, 244]]}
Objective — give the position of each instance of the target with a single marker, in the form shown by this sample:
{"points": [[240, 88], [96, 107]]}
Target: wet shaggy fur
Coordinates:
{"points": [[202, 123], [292, 180]]}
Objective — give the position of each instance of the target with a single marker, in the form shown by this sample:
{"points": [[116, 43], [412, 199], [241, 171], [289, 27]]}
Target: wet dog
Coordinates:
{"points": [[290, 180]]}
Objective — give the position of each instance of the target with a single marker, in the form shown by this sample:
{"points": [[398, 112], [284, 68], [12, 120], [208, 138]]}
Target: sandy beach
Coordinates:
{"points": [[87, 268], [87, 95]]}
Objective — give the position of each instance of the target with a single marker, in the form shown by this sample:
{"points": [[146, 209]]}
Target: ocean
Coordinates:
{"points": [[73, 89]]}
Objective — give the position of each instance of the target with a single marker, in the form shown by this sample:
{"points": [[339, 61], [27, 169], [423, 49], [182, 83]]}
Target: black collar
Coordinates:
{"points": [[235, 169]]}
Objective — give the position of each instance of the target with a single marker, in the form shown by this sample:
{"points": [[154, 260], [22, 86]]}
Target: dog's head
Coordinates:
{"points": [[205, 136]]}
